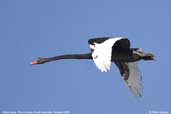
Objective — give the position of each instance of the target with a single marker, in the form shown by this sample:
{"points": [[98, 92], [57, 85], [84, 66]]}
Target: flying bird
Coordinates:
{"points": [[108, 50]]}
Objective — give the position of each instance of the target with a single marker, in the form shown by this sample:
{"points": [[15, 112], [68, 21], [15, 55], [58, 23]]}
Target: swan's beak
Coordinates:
{"points": [[34, 62]]}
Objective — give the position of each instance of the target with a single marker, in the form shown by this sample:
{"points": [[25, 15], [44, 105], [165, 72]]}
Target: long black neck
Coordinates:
{"points": [[72, 56], [66, 56]]}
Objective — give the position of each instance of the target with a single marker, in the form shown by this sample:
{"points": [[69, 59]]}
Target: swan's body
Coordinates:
{"points": [[106, 50]]}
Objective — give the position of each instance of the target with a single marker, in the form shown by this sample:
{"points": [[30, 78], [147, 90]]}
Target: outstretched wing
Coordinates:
{"points": [[132, 76], [102, 50], [102, 54]]}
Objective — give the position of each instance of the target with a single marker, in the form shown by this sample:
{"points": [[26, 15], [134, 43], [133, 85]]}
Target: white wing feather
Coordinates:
{"points": [[135, 80], [102, 54]]}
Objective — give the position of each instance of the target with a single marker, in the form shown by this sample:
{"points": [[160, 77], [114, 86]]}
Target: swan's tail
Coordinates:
{"points": [[148, 56]]}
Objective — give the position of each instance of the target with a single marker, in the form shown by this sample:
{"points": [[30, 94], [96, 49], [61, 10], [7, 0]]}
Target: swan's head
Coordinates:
{"points": [[39, 61]]}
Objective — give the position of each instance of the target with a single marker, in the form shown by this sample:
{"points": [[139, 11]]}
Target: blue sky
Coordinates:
{"points": [[42, 28]]}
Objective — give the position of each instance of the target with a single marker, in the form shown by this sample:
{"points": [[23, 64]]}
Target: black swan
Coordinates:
{"points": [[104, 51]]}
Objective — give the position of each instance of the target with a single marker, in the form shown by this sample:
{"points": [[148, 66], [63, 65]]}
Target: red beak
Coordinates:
{"points": [[34, 62]]}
